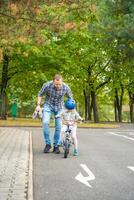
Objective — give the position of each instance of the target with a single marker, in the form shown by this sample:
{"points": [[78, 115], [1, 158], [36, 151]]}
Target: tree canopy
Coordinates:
{"points": [[90, 42]]}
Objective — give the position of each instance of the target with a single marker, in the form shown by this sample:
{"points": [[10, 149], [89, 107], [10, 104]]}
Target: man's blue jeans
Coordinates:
{"points": [[47, 112]]}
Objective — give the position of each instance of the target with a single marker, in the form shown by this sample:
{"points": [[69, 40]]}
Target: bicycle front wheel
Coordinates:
{"points": [[66, 150]]}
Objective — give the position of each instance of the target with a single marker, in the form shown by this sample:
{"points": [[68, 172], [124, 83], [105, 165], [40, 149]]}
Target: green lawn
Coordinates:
{"points": [[38, 123]]}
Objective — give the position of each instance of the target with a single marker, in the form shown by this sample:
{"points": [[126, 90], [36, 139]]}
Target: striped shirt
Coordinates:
{"points": [[54, 97]]}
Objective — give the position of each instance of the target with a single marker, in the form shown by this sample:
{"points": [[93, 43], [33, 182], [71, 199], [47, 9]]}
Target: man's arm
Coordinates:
{"points": [[40, 94], [43, 89], [39, 100], [38, 103]]}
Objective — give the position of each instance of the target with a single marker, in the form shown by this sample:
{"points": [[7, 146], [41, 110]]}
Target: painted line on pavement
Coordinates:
{"points": [[129, 133], [131, 167], [85, 179], [126, 137]]}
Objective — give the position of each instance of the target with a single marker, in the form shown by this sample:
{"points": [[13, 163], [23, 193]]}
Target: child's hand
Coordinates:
{"points": [[80, 120], [65, 122]]}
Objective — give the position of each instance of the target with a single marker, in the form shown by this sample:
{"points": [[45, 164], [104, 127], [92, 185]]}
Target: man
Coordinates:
{"points": [[54, 92]]}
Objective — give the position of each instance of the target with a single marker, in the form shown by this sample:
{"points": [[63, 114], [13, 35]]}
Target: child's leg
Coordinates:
{"points": [[74, 136]]}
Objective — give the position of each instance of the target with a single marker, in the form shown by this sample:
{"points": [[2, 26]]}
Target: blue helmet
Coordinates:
{"points": [[70, 104]]}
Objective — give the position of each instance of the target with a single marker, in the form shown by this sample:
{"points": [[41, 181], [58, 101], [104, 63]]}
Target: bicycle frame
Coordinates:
{"points": [[67, 141]]}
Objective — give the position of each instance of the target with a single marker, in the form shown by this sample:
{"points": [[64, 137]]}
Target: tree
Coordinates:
{"points": [[30, 42], [117, 24]]}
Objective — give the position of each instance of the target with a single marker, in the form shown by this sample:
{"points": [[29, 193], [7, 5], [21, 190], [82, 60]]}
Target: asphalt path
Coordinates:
{"points": [[104, 170]]}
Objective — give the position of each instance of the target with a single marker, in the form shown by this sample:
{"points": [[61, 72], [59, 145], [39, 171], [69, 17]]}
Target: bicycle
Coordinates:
{"points": [[67, 139]]}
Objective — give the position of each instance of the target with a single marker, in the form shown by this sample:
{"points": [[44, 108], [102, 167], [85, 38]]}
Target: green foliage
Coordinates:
{"points": [[89, 42]]}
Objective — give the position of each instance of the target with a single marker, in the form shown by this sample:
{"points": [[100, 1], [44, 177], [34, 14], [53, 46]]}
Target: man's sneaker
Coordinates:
{"points": [[75, 152], [57, 150], [47, 148], [54, 149]]}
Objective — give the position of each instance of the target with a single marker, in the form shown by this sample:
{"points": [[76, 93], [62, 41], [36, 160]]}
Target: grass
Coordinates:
{"points": [[37, 123], [20, 122]]}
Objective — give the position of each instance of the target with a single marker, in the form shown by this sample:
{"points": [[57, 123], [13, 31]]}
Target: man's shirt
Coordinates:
{"points": [[54, 97]]}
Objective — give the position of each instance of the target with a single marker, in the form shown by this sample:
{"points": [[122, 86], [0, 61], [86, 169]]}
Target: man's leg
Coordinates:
{"points": [[46, 127], [57, 134]]}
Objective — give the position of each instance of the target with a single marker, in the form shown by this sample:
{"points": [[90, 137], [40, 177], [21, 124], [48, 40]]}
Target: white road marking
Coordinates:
{"points": [[131, 167], [129, 138], [84, 179], [127, 132], [131, 133]]}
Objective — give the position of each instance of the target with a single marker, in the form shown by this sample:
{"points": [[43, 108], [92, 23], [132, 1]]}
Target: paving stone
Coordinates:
{"points": [[14, 158]]}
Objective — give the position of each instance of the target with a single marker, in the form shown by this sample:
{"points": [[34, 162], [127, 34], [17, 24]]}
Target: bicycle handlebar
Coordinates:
{"points": [[71, 122]]}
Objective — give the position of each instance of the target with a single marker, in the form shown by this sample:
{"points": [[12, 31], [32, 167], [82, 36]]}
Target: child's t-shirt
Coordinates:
{"points": [[70, 115]]}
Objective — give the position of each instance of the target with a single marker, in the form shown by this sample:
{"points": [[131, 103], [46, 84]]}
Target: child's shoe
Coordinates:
{"points": [[75, 152]]}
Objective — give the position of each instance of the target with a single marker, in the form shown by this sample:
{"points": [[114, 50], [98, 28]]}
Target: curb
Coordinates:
{"points": [[30, 169]]}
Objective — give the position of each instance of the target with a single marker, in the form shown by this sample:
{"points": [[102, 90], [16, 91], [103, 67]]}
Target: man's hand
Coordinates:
{"points": [[38, 108], [37, 113], [57, 116]]}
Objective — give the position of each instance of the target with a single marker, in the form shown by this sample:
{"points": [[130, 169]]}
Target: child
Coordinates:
{"points": [[70, 117]]}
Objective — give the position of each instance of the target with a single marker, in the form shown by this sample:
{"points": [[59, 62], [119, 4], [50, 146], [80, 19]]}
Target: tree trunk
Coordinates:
{"points": [[89, 116], [118, 104], [131, 104], [132, 113], [95, 109], [3, 102], [88, 109], [121, 101], [115, 111], [87, 105], [85, 98]]}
